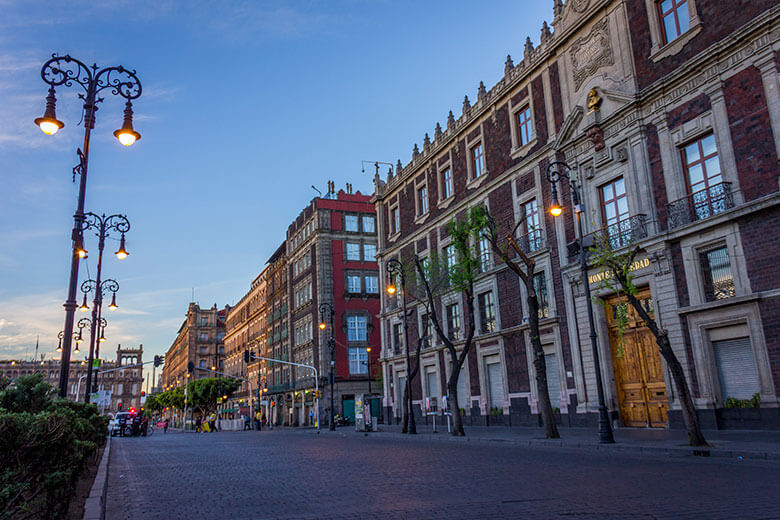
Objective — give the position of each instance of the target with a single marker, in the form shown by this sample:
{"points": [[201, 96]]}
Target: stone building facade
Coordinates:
{"points": [[246, 329], [668, 114], [125, 385], [200, 340]]}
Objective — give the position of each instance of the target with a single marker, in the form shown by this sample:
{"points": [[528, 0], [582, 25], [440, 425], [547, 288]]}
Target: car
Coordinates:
{"points": [[120, 420]]}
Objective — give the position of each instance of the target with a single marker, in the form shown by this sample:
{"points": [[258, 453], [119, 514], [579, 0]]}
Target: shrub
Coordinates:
{"points": [[45, 444], [754, 402]]}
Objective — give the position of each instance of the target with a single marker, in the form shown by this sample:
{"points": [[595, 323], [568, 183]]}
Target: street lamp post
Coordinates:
{"points": [[556, 172], [103, 226], [396, 271], [65, 70], [368, 366], [100, 324], [326, 312]]}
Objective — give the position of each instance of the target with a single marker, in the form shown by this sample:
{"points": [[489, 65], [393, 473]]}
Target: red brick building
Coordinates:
{"points": [[669, 113], [331, 258]]}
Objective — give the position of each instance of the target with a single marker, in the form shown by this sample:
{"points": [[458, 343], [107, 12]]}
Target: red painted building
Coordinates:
{"points": [[331, 259]]}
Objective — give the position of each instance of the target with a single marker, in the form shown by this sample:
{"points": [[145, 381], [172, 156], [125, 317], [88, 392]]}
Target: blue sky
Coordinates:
{"points": [[246, 104]]}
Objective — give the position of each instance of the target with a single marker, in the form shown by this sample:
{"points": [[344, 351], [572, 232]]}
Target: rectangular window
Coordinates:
{"points": [[204, 336], [351, 223], [716, 271], [675, 19], [533, 229], [369, 252], [353, 283], [540, 286], [353, 251], [477, 161], [368, 225], [425, 332], [484, 254], [204, 322], [398, 337], [357, 328], [446, 183], [487, 312], [358, 361], [703, 177], [372, 284], [614, 212], [453, 321], [422, 200], [395, 220], [525, 132]]}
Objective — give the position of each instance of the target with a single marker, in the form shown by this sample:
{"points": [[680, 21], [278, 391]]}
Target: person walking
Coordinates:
{"points": [[165, 426], [257, 421], [197, 424], [247, 425]]}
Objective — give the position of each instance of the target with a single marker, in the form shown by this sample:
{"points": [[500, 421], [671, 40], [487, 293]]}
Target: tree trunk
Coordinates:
{"points": [[410, 408], [545, 406], [457, 420], [405, 411]]}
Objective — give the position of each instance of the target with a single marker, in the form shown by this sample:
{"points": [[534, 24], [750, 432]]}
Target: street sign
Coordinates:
{"points": [[96, 363]]}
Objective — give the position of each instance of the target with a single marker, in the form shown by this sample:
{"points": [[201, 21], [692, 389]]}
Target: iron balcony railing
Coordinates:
{"points": [[280, 388], [532, 241], [624, 232], [700, 205]]}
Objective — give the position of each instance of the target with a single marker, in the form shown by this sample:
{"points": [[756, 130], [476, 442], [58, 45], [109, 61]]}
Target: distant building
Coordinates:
{"points": [[125, 385], [200, 340]]}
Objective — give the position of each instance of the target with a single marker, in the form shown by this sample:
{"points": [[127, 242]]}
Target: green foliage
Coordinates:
{"points": [[173, 398], [753, 402], [153, 404], [496, 411], [204, 393], [45, 443]]}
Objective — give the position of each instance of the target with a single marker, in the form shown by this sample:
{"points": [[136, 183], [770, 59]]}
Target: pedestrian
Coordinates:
{"points": [[212, 423], [247, 425], [165, 426], [311, 416], [197, 424], [257, 421]]}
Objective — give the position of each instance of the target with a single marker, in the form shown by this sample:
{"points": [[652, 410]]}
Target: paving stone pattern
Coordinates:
{"points": [[297, 475]]}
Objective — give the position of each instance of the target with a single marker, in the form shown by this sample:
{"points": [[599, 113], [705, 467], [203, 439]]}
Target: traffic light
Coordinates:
{"points": [[190, 367], [119, 406], [246, 356], [143, 393], [159, 360]]}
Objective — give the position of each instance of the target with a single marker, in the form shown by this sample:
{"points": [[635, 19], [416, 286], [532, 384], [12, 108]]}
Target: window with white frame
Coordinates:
{"points": [[422, 200], [368, 224], [453, 321], [303, 331], [303, 294], [372, 284], [524, 126], [716, 274], [358, 361], [357, 328], [484, 253], [477, 161], [487, 312], [395, 220], [369, 252], [351, 223], [353, 251], [353, 283], [446, 183], [540, 287], [451, 259]]}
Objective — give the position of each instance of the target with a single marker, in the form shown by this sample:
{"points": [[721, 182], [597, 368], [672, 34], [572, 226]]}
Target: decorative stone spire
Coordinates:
{"points": [[450, 120], [437, 133], [398, 167], [466, 104], [529, 48], [546, 33], [415, 151], [426, 141], [481, 92], [509, 65], [557, 7]]}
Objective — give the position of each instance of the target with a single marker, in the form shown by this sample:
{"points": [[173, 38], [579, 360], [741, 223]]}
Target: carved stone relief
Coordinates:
{"points": [[579, 5], [591, 52]]}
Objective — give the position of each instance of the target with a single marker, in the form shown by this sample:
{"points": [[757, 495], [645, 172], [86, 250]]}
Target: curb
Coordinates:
{"points": [[691, 451], [95, 506]]}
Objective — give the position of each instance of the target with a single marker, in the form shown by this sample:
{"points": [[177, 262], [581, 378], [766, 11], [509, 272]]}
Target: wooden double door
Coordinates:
{"points": [[636, 360]]}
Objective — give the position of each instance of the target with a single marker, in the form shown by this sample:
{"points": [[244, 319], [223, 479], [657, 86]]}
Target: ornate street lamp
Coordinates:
{"points": [[556, 172], [327, 314], [396, 271], [67, 71]]}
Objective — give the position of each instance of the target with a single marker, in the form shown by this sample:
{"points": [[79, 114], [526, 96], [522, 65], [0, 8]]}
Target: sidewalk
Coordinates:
{"points": [[747, 444]]}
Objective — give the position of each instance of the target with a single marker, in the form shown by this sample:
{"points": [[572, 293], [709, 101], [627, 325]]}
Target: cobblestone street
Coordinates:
{"points": [[295, 474]]}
